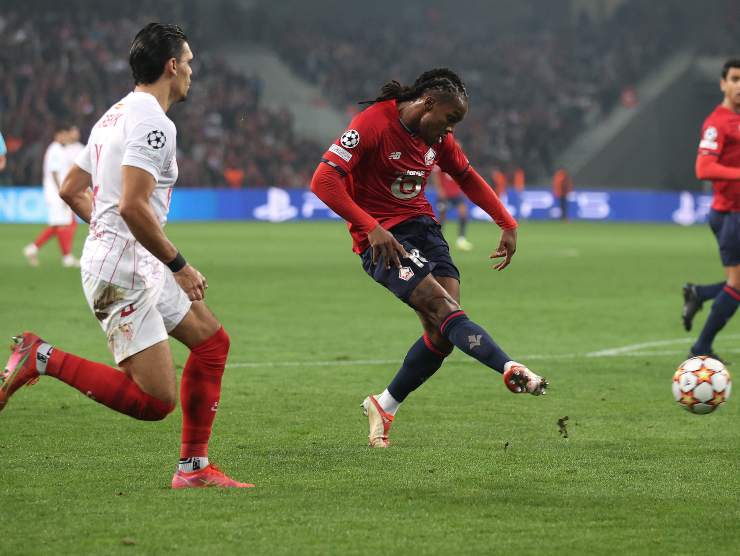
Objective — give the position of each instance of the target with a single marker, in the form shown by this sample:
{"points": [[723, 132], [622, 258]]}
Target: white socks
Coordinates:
{"points": [[388, 402], [188, 465], [42, 357]]}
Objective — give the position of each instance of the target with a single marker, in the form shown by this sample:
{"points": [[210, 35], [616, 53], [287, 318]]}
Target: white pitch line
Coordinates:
{"points": [[635, 347], [614, 352]]}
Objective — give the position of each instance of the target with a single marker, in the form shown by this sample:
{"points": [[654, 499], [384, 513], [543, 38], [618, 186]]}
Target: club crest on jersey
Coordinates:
{"points": [[350, 139], [430, 156], [156, 139], [405, 273]]}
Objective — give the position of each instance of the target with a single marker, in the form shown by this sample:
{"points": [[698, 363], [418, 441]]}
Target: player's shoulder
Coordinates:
{"points": [[718, 117], [377, 115], [143, 107]]}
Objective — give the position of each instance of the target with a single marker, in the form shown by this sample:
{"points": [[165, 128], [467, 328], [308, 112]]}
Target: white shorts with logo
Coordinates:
{"points": [[134, 320]]}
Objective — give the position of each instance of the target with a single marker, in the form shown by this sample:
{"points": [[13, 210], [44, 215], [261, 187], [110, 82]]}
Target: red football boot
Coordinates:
{"points": [[520, 380], [209, 476], [20, 370]]}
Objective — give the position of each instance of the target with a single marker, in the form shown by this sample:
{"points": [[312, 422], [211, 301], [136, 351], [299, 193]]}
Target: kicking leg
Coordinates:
{"points": [[441, 309]]}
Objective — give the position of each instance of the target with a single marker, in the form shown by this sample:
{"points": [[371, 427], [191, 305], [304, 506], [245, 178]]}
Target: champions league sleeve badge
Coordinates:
{"points": [[156, 139], [350, 139]]}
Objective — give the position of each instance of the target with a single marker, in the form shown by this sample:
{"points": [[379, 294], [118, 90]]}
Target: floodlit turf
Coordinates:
{"points": [[472, 468]]}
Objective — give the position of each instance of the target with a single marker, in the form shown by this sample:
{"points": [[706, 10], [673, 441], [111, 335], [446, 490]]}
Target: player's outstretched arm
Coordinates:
{"points": [[75, 191], [136, 211]]}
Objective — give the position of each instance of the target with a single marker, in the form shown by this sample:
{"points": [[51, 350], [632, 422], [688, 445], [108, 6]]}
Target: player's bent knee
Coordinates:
{"points": [[156, 410], [223, 339]]}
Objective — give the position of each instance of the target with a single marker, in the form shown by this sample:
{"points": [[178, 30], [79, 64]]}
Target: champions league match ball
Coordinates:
{"points": [[701, 384]]}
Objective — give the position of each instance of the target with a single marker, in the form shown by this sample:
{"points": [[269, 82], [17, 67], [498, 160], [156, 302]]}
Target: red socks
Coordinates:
{"points": [[200, 391], [106, 385], [45, 235], [65, 236]]}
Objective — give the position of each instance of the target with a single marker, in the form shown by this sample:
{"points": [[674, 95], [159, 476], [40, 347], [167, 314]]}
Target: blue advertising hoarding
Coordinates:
{"points": [[274, 204]]}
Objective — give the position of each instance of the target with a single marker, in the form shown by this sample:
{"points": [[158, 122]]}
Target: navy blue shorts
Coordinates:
{"points": [[726, 228], [423, 240]]}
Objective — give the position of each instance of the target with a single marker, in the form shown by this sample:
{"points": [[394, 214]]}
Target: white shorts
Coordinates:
{"points": [[134, 320], [59, 213]]}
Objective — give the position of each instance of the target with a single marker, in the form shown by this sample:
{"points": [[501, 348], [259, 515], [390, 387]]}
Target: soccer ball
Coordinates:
{"points": [[701, 384]]}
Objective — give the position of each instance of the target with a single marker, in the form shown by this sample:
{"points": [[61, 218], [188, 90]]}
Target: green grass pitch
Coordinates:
{"points": [[472, 468]]}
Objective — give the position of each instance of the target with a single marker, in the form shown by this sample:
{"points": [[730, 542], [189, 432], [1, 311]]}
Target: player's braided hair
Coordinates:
{"points": [[443, 80]]}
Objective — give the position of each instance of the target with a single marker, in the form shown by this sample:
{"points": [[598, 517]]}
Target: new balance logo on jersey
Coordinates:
{"points": [[395, 155], [214, 407], [474, 340]]}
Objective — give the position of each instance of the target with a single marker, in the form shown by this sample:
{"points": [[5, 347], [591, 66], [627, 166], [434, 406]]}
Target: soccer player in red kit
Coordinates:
{"points": [[374, 176], [137, 284], [719, 161], [449, 195]]}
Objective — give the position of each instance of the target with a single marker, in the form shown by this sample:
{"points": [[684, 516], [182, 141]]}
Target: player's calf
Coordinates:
{"points": [[32, 357]]}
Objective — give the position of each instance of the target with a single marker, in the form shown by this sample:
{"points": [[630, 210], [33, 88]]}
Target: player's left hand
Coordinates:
{"points": [[506, 248]]}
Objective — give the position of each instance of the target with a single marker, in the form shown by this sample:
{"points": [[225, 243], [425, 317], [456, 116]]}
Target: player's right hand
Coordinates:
{"points": [[192, 283], [384, 244]]}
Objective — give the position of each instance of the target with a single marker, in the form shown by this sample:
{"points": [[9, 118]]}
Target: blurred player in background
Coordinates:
{"points": [[562, 186], [450, 195], [3, 152], [719, 162], [374, 176], [61, 220], [137, 284], [73, 146]]}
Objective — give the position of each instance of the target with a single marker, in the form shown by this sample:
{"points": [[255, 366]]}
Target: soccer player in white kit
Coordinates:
{"points": [[137, 283], [61, 220]]}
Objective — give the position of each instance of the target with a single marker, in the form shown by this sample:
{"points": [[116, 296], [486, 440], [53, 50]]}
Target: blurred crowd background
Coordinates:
{"points": [[537, 76]]}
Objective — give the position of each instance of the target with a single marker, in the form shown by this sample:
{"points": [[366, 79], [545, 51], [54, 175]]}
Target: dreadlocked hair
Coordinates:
{"points": [[443, 80]]}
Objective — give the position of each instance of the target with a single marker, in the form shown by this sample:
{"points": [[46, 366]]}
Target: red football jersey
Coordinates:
{"points": [[721, 138], [450, 188], [388, 166]]}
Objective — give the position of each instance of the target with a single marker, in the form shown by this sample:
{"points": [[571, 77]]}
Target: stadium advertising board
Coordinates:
{"points": [[26, 205]]}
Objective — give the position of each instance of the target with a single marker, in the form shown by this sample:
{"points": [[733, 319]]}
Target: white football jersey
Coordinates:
{"points": [[71, 151], [133, 132], [55, 162]]}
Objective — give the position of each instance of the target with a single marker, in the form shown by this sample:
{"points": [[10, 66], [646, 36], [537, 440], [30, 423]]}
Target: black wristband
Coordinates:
{"points": [[177, 264]]}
